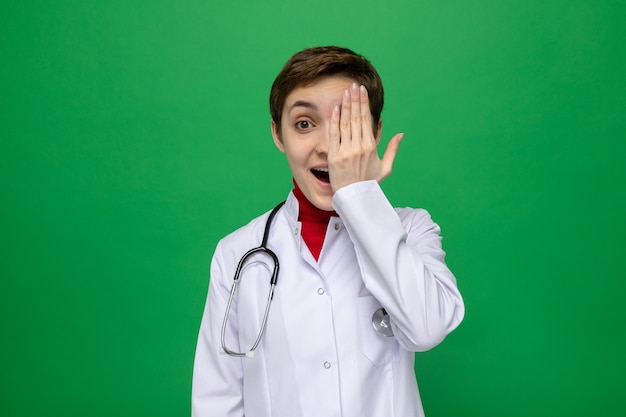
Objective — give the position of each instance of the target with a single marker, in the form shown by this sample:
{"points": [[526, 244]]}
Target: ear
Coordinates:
{"points": [[277, 139], [379, 131]]}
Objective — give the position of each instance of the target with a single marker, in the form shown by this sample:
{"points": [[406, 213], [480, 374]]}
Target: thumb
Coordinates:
{"points": [[389, 156]]}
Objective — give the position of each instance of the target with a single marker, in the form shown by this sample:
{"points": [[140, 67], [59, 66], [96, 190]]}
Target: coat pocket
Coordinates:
{"points": [[377, 348]]}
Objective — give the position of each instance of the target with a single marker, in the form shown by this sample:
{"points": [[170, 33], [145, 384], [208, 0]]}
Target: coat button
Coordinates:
{"points": [[336, 226], [327, 365], [320, 291]]}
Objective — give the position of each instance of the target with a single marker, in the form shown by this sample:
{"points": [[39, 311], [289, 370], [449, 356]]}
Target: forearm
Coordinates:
{"points": [[402, 265]]}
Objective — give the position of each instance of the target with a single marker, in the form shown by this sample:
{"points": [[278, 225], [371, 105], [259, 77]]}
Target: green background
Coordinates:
{"points": [[134, 134]]}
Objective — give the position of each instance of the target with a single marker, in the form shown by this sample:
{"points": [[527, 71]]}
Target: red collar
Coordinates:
{"points": [[314, 222]]}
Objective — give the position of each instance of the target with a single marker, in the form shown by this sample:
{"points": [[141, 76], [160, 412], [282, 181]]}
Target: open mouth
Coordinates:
{"points": [[321, 174]]}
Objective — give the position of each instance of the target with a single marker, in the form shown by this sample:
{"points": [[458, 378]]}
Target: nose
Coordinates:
{"points": [[323, 142]]}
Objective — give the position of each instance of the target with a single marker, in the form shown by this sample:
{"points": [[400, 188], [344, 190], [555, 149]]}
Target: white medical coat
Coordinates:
{"points": [[320, 355]]}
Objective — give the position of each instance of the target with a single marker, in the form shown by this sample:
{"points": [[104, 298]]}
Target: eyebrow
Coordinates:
{"points": [[303, 103]]}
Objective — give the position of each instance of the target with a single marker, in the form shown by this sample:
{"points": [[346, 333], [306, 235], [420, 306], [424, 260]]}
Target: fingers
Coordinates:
{"points": [[353, 156], [335, 134], [355, 116], [355, 113], [366, 114], [344, 122], [386, 163]]}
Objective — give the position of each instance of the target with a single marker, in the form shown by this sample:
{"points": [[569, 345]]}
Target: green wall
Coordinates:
{"points": [[134, 134]]}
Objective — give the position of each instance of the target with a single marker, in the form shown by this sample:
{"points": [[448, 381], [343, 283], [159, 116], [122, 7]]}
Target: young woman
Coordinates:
{"points": [[361, 286]]}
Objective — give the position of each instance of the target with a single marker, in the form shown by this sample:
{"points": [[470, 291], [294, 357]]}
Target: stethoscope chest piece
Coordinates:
{"points": [[381, 323]]}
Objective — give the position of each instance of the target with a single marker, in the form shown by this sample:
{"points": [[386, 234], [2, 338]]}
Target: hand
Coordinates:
{"points": [[352, 153]]}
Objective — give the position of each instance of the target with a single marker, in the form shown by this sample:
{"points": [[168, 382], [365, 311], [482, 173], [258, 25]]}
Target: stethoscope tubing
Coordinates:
{"points": [[263, 249]]}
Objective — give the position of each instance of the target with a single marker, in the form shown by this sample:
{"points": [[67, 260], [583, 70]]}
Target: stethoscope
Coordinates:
{"points": [[380, 318]]}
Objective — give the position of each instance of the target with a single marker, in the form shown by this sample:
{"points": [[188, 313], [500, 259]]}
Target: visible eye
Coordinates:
{"points": [[303, 125]]}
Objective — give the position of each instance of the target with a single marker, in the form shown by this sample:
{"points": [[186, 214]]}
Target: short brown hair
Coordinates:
{"points": [[311, 64]]}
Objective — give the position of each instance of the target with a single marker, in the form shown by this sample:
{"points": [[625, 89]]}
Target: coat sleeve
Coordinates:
{"points": [[217, 388], [402, 265]]}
